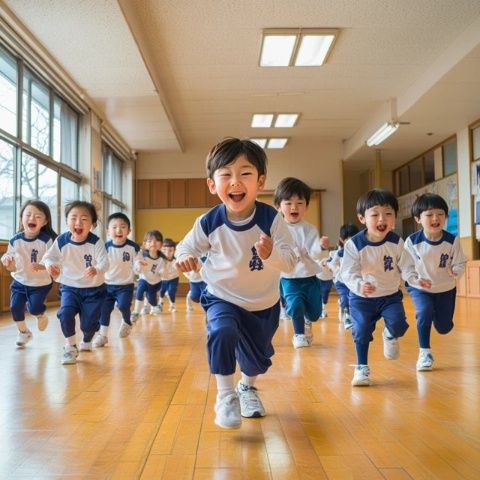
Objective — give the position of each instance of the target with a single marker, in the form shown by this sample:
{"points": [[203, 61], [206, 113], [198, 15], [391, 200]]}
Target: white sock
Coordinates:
{"points": [[137, 306], [225, 385], [104, 330], [22, 326], [425, 350], [248, 381], [71, 340]]}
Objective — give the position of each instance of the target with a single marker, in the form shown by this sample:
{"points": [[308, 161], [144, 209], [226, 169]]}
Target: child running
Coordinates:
{"points": [[170, 276], [439, 260], [374, 261], [124, 258], [78, 261], [247, 245], [197, 286], [151, 270], [31, 282], [301, 288]]}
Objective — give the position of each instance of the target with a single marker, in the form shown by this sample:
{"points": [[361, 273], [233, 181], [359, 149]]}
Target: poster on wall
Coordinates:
{"points": [[476, 178], [477, 210]]}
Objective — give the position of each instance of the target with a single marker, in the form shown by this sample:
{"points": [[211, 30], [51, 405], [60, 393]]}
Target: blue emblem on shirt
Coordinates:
{"points": [[443, 260], [126, 257], [34, 256], [88, 260], [255, 262], [387, 262]]}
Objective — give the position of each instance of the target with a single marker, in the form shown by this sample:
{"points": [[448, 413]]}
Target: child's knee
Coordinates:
{"points": [[444, 329]]}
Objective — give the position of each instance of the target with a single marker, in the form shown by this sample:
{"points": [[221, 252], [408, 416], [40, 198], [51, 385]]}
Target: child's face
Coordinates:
{"points": [[79, 223], [237, 185], [293, 209], [118, 231], [168, 252], [432, 222], [379, 220], [33, 219], [153, 245]]}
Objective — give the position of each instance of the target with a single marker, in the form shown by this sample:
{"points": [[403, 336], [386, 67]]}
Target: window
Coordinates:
{"points": [[112, 182], [415, 171], [404, 180], [36, 114], [8, 93], [476, 143], [40, 161], [7, 191], [429, 167], [449, 155]]}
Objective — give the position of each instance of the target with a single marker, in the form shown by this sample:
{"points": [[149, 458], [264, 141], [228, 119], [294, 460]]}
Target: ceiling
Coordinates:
{"points": [[171, 75]]}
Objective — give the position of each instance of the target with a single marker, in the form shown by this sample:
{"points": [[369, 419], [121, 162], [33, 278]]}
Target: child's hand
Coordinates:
{"points": [[368, 288], [53, 270], [264, 246], [424, 283], [37, 267], [451, 272], [90, 272], [143, 264], [9, 263], [188, 263]]}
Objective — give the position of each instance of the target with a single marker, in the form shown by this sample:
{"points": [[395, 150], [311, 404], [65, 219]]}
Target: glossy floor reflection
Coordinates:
{"points": [[142, 407]]}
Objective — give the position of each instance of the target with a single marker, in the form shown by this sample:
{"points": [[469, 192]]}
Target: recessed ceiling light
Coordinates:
{"points": [[262, 120], [277, 142], [277, 50], [286, 120], [260, 141], [313, 50]]}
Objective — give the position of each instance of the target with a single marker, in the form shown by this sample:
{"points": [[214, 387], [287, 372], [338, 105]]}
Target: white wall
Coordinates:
{"points": [[319, 172]]}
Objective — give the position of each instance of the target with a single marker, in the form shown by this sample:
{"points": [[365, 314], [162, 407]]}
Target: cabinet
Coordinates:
{"points": [[472, 278]]}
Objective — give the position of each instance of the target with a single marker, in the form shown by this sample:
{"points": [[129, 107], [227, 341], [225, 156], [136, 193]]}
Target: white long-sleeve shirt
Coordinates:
{"points": [[307, 248], [153, 271], [232, 270], [124, 261], [74, 258], [434, 259], [170, 271], [383, 264], [25, 252]]}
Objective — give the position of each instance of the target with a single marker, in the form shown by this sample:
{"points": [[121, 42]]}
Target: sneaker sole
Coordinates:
{"points": [[362, 383], [255, 415], [425, 369], [229, 427]]}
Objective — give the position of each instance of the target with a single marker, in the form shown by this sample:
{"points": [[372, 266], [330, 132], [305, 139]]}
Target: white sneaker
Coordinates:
{"points": [[125, 330], [425, 361], [23, 338], [98, 341], [391, 348], [300, 340], [172, 308], [347, 321], [324, 313], [134, 316], [144, 310], [85, 346], [42, 322], [70, 354], [189, 303], [308, 330], [156, 310], [228, 411], [250, 404], [361, 376]]}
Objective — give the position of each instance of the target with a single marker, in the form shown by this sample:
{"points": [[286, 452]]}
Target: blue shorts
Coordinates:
{"points": [[31, 297], [196, 289], [170, 287], [151, 291], [436, 308], [365, 313], [236, 334], [122, 295], [343, 293]]}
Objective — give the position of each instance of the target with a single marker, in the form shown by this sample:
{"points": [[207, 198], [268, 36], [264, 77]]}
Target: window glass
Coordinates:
{"points": [[7, 192], [415, 170], [36, 111], [476, 143], [28, 178], [107, 171], [116, 177], [449, 151], [429, 163], [65, 134], [404, 180], [8, 93], [47, 190]]}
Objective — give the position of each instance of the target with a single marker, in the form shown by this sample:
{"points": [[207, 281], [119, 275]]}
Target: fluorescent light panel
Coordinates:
{"points": [[260, 141], [262, 120], [277, 143], [382, 133], [286, 120], [299, 47]]}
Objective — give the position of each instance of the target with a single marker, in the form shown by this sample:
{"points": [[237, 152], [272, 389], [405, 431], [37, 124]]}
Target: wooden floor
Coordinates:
{"points": [[142, 407]]}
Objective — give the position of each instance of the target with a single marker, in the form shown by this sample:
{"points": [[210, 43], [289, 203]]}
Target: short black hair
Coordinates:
{"points": [[290, 186], [427, 201], [377, 196], [229, 149], [168, 242], [119, 216], [348, 231], [89, 207]]}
